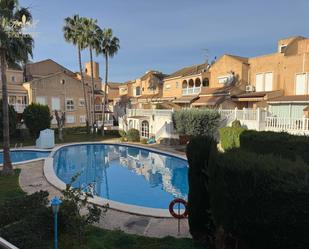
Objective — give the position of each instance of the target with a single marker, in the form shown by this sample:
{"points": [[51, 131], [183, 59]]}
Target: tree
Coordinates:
{"points": [[91, 31], [15, 47], [73, 33], [109, 46], [37, 117], [12, 119], [60, 117]]}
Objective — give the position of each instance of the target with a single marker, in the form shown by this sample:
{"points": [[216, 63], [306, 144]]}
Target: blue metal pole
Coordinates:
{"points": [[56, 230]]}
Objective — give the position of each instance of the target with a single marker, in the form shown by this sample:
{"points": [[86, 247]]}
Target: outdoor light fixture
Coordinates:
{"points": [[55, 204]]}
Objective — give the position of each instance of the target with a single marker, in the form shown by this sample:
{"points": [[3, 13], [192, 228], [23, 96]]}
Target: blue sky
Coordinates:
{"points": [[166, 35]]}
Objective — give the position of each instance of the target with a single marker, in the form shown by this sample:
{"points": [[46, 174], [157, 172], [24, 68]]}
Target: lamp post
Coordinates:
{"points": [[55, 204]]}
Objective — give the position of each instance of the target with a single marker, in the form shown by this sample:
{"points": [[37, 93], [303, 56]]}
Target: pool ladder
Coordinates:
{"points": [[20, 145]]}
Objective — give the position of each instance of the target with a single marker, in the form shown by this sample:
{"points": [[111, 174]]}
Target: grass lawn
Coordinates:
{"points": [[97, 238], [9, 187]]}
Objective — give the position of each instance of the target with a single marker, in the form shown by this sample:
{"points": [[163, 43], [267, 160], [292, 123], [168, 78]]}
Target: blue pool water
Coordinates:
{"points": [[24, 155], [125, 174]]}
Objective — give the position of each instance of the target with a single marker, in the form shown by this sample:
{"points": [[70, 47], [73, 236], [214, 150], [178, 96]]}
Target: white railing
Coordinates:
{"points": [[292, 125], [149, 112], [106, 122], [19, 108], [191, 90]]}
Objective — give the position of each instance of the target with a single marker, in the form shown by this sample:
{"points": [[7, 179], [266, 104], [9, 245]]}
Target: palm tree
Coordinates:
{"points": [[15, 47], [109, 46], [91, 31], [73, 33]]}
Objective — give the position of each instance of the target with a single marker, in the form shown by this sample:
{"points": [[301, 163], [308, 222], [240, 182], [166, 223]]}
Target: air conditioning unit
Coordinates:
{"points": [[250, 88]]}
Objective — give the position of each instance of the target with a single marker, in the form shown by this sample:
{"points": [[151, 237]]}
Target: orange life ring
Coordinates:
{"points": [[171, 208]]}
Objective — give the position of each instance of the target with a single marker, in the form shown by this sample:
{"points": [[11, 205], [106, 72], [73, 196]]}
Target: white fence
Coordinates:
{"points": [[291, 125], [261, 120], [149, 112]]}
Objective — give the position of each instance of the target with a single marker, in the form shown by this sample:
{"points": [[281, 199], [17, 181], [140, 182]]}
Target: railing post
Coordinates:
{"points": [[258, 117], [304, 123], [244, 114], [235, 113]]}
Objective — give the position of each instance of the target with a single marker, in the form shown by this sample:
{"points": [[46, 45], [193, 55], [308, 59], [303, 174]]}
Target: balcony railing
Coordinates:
{"points": [[19, 108], [191, 90]]}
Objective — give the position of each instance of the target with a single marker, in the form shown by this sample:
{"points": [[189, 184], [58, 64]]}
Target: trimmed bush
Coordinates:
{"points": [[230, 137], [200, 152], [261, 199], [122, 133], [236, 123], [12, 120], [281, 144], [37, 117], [133, 135], [143, 140], [196, 122]]}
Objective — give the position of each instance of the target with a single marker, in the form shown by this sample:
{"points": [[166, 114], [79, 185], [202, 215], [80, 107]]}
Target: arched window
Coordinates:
{"points": [[184, 84], [206, 82], [191, 83], [197, 82], [145, 129]]}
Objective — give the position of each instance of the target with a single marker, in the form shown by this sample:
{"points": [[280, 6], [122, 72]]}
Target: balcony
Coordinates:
{"points": [[191, 90]]}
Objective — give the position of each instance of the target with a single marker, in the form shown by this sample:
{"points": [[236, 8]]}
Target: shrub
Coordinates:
{"points": [[133, 135], [122, 133], [230, 137], [37, 117], [144, 141], [196, 122], [281, 144], [236, 123], [200, 152], [12, 120], [261, 199]]}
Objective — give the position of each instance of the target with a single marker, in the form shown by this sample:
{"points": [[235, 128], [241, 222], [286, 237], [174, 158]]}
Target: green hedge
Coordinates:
{"points": [[282, 144], [196, 122], [261, 199], [230, 137], [200, 151]]}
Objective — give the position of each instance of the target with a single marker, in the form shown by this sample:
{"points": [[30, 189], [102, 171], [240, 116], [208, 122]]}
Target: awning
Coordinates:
{"points": [[209, 101], [185, 99], [256, 96], [290, 99]]}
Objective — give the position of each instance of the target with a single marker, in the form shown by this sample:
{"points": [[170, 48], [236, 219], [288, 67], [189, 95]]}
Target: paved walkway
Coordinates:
{"points": [[32, 180]]}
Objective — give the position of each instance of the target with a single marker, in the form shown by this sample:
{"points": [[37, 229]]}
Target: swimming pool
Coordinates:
{"points": [[125, 174], [24, 155]]}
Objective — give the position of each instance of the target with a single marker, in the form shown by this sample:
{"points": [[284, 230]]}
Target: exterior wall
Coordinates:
{"points": [[51, 87], [225, 65], [172, 88]]}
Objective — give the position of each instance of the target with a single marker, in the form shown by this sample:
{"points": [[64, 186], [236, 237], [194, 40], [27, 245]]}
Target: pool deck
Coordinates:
{"points": [[32, 179]]}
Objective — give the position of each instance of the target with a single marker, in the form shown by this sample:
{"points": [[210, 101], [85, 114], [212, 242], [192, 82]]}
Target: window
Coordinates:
{"points": [[205, 82], [167, 86], [264, 82], [302, 84], [81, 102], [223, 79], [13, 79], [145, 129], [282, 48], [40, 100], [55, 103], [82, 119], [70, 119], [137, 91], [69, 105], [177, 84]]}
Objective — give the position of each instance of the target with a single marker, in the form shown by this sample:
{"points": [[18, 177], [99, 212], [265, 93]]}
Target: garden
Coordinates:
{"points": [[251, 190]]}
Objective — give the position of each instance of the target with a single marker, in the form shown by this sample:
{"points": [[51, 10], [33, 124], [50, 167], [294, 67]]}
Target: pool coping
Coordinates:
{"points": [[27, 161], [52, 178]]}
